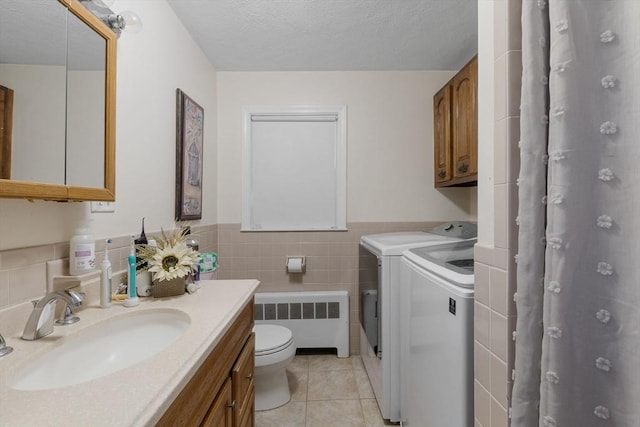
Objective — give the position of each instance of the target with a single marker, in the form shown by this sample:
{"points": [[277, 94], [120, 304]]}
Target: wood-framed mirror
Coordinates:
{"points": [[57, 102]]}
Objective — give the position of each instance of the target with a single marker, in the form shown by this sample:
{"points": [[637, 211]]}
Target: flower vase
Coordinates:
{"points": [[169, 288]]}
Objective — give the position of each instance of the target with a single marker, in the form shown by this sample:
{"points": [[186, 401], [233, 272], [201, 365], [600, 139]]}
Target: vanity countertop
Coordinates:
{"points": [[137, 395]]}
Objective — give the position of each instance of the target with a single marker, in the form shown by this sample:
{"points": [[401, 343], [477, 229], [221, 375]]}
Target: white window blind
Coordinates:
{"points": [[294, 168]]}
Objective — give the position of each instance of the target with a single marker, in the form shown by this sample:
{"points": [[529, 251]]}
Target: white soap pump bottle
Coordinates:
{"points": [[106, 278], [82, 251]]}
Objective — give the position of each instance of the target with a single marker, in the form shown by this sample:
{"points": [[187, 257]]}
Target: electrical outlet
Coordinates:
{"points": [[103, 207]]}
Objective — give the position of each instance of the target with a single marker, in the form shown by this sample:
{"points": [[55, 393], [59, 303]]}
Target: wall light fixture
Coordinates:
{"points": [[118, 22]]}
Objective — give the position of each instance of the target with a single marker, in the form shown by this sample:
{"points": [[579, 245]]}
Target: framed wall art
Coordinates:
{"points": [[189, 145]]}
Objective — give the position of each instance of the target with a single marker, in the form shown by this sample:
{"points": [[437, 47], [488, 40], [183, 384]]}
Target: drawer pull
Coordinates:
{"points": [[441, 174], [233, 404], [463, 168], [249, 377]]}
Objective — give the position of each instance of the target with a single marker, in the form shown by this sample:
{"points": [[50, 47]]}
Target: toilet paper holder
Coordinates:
{"points": [[296, 264]]}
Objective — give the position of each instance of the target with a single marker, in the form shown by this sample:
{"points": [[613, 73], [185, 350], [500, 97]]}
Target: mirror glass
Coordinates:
{"points": [[86, 80], [33, 52], [57, 102]]}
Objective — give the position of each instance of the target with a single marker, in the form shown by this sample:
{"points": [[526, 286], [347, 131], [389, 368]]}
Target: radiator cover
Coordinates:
{"points": [[317, 319]]}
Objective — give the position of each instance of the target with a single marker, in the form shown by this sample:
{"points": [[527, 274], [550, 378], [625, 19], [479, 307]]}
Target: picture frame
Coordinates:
{"points": [[189, 156]]}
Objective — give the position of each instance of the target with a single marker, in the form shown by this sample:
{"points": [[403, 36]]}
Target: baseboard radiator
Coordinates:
{"points": [[316, 319]]}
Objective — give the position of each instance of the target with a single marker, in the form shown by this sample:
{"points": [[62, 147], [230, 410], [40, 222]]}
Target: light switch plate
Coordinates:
{"points": [[103, 207]]}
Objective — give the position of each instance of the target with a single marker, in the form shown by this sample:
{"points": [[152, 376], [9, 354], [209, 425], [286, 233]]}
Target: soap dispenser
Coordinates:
{"points": [[82, 251], [142, 238]]}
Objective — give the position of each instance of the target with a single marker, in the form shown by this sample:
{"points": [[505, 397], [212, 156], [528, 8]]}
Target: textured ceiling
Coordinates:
{"points": [[323, 35]]}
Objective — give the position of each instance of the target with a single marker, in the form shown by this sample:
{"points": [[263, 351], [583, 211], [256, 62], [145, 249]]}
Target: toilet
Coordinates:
{"points": [[274, 351]]}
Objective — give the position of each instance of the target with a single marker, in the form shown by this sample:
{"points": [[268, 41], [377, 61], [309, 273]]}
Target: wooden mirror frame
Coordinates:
{"points": [[34, 190]]}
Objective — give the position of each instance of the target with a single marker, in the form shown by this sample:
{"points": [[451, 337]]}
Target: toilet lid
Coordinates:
{"points": [[271, 338]]}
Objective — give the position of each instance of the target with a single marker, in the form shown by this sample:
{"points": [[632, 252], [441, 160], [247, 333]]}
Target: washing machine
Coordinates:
{"points": [[379, 291], [437, 335]]}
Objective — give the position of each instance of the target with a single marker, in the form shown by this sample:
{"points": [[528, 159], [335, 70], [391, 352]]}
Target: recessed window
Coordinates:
{"points": [[294, 174]]}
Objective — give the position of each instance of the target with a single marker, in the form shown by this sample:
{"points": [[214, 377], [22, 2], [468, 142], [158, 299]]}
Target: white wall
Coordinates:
{"points": [[85, 128], [486, 120], [39, 93], [151, 65], [389, 139]]}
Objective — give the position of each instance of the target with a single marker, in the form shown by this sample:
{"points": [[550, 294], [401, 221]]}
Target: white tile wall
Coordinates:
{"points": [[495, 268]]}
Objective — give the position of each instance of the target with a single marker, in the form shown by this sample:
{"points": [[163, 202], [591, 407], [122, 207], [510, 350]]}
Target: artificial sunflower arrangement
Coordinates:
{"points": [[171, 258]]}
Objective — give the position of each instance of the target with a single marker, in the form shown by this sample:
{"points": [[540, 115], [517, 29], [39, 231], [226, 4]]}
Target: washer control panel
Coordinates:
{"points": [[459, 229]]}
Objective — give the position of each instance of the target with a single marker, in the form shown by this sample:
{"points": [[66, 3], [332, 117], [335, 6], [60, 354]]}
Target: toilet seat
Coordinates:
{"points": [[271, 339]]}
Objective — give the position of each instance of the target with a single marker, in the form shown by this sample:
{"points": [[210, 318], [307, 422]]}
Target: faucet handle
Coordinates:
{"points": [[4, 348], [76, 297], [67, 318]]}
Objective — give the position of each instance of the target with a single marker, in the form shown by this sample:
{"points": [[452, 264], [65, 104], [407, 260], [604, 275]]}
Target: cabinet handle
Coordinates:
{"points": [[463, 168], [249, 377], [233, 404], [442, 174]]}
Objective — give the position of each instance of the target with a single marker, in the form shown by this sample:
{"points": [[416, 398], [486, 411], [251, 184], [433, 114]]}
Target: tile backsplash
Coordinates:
{"points": [[23, 271], [331, 257]]}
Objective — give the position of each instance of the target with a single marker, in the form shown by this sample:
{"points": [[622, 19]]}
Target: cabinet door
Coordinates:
{"points": [[249, 418], [194, 402], [442, 134], [465, 121], [242, 381], [220, 414]]}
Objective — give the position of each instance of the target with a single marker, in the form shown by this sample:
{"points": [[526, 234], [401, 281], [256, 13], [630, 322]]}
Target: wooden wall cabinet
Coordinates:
{"points": [[455, 116], [221, 393]]}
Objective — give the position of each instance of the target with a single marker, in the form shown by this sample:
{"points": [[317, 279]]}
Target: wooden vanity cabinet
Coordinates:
{"points": [[242, 385], [221, 412], [455, 113], [221, 393]]}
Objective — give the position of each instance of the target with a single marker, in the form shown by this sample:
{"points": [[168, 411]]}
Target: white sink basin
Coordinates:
{"points": [[103, 349]]}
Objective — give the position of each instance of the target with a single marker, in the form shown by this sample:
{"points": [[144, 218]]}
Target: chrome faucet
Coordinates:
{"points": [[40, 323], [4, 348]]}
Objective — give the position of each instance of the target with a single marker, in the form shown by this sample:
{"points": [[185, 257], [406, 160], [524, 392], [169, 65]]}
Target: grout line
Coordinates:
{"points": [[306, 395], [359, 398]]}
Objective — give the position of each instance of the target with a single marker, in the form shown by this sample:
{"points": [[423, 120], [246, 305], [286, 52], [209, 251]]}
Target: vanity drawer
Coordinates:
{"points": [[248, 419], [242, 378], [220, 414]]}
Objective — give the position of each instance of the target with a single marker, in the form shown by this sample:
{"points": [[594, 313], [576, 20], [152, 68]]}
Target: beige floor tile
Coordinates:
{"points": [[330, 413], [299, 363], [293, 414], [356, 363], [326, 385], [326, 391], [329, 363], [371, 412], [298, 382], [364, 386]]}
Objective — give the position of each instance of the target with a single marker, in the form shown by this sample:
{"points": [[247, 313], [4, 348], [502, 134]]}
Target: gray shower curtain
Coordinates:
{"points": [[578, 292]]}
